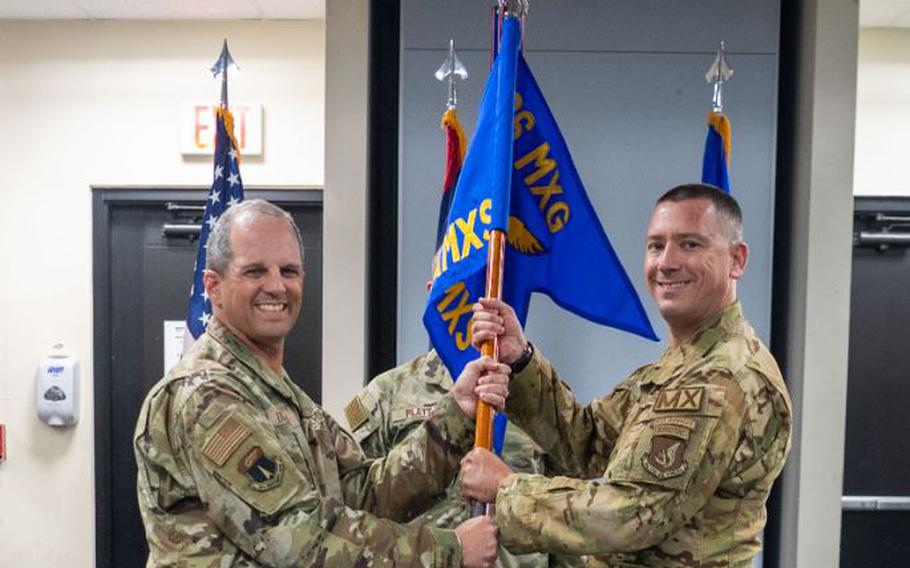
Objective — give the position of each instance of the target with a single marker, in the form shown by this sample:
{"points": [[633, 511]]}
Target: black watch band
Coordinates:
{"points": [[518, 365]]}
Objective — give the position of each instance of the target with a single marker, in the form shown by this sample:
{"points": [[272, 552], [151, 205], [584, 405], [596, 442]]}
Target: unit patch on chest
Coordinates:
{"points": [[669, 439], [686, 399], [263, 471]]}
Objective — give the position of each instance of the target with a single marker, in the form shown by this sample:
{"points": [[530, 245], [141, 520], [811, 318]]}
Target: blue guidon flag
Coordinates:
{"points": [[715, 168], [518, 176], [227, 189]]}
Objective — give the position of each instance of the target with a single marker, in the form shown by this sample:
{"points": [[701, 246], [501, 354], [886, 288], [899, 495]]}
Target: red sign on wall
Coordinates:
{"points": [[197, 129]]}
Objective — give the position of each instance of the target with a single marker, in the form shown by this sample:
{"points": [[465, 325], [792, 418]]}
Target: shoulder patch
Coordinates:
{"points": [[678, 426], [665, 458], [264, 472], [224, 441], [211, 414], [356, 413], [686, 399]]}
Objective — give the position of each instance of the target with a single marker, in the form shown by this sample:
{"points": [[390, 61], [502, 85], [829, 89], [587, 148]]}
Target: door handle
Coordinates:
{"points": [[180, 207], [180, 230], [875, 503]]}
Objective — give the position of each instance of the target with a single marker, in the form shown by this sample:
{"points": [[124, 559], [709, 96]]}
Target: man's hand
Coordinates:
{"points": [[478, 542], [494, 318], [481, 474], [485, 379]]}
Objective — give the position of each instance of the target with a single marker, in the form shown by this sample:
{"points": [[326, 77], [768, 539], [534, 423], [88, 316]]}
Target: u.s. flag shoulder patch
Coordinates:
{"points": [[224, 441], [356, 413]]}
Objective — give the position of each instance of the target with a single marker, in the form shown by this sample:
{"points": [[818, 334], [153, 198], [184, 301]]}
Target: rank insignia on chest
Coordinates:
{"points": [[279, 415], [666, 457], [263, 471]]}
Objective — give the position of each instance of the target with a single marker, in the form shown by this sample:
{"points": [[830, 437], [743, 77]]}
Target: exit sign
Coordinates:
{"points": [[197, 129]]}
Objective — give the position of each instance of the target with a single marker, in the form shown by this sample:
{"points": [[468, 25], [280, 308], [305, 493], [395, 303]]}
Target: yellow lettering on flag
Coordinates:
{"points": [[470, 240], [454, 315], [467, 231], [557, 216], [524, 115], [543, 164], [547, 191]]}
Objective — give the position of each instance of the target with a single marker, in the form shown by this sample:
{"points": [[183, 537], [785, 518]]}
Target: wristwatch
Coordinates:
{"points": [[518, 365]]}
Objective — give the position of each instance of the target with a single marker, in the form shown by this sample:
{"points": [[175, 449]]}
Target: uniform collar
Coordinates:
{"points": [[233, 344], [434, 371], [727, 322]]}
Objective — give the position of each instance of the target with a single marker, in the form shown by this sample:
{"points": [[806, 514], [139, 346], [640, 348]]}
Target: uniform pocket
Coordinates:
{"points": [[668, 443]]}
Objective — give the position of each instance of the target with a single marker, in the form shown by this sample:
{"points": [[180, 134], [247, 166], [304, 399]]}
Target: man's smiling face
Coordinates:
{"points": [[260, 294], [691, 262]]}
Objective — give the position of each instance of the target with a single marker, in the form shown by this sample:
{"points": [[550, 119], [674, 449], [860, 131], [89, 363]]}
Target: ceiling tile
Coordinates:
{"points": [[163, 9]]}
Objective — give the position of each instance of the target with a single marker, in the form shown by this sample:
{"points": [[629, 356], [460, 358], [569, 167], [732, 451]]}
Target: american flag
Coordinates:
{"points": [[227, 189]]}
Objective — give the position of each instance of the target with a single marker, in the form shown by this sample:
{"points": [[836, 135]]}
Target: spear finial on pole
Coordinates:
{"points": [[510, 8], [221, 66], [452, 67], [718, 73], [515, 8]]}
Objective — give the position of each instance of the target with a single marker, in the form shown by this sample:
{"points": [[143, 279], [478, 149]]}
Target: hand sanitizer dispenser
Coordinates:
{"points": [[58, 388]]}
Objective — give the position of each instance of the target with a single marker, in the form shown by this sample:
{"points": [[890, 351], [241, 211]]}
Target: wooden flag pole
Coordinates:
{"points": [[483, 435]]}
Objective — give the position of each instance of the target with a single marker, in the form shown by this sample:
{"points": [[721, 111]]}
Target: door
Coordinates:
{"points": [[144, 249], [876, 503]]}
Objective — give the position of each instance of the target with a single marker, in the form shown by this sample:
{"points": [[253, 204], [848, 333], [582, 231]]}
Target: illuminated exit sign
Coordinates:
{"points": [[197, 129]]}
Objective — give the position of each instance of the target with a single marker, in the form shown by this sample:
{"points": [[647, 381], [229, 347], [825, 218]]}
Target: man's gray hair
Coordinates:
{"points": [[219, 253]]}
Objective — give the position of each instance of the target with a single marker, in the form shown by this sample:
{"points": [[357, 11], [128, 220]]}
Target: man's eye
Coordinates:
{"points": [[654, 246], [290, 272], [254, 272], [690, 245]]}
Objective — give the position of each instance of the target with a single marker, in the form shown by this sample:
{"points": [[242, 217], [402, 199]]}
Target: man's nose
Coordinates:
{"points": [[669, 258], [273, 281]]}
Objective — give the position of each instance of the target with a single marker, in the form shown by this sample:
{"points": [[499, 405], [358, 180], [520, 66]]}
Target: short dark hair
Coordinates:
{"points": [[724, 203]]}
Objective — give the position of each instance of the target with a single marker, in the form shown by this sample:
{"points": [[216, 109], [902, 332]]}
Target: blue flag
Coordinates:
{"points": [[716, 161], [480, 204], [227, 189], [518, 176]]}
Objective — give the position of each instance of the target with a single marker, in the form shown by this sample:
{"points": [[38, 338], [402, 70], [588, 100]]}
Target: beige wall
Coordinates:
{"points": [[815, 185], [345, 216], [882, 113], [97, 103]]}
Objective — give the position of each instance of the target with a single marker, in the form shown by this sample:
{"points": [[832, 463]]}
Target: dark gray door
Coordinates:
{"points": [[876, 517], [142, 277]]}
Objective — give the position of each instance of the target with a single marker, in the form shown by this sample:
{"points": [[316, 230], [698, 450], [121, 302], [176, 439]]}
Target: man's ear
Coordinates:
{"points": [[740, 253], [211, 280]]}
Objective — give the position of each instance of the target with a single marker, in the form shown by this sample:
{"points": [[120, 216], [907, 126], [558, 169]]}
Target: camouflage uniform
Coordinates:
{"points": [[401, 399], [685, 452], [238, 467]]}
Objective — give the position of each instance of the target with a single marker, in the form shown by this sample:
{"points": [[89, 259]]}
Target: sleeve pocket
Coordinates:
{"points": [[670, 446], [248, 463]]}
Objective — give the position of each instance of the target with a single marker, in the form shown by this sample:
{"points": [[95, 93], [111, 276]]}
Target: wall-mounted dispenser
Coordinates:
{"points": [[58, 388]]}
